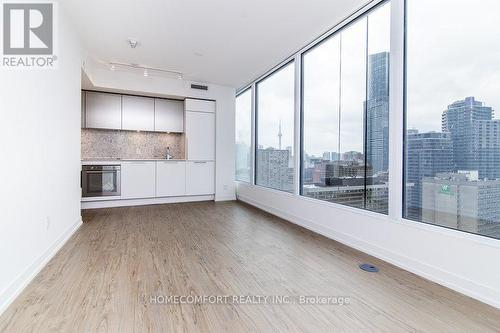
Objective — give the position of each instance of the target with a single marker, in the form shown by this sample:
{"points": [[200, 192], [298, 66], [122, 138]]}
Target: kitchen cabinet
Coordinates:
{"points": [[200, 178], [169, 115], [200, 105], [138, 113], [200, 136], [103, 110], [83, 111], [138, 179], [170, 178]]}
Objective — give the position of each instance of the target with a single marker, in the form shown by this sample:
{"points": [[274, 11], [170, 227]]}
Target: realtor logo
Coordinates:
{"points": [[28, 35]]}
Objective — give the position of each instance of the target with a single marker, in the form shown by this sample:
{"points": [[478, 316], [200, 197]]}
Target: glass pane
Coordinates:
{"points": [[101, 182], [377, 110], [275, 126], [350, 171], [453, 138], [346, 115], [321, 103], [243, 135]]}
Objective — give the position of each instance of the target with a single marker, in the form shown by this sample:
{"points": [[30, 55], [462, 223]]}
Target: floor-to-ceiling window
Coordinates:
{"points": [[274, 160], [452, 138], [345, 114], [243, 134]]}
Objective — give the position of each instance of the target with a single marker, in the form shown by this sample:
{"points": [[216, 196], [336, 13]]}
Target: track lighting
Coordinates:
{"points": [[146, 71]]}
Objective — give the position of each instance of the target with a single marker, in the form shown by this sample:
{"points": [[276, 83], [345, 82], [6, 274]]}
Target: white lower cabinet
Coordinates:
{"points": [[170, 178], [138, 180], [200, 178], [160, 179]]}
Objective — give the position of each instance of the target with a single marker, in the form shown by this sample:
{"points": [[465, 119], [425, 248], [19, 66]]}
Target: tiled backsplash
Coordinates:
{"points": [[130, 144]]}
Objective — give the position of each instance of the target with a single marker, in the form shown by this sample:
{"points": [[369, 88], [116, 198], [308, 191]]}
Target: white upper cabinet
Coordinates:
{"points": [[200, 105], [138, 113], [169, 115], [103, 110], [200, 136]]}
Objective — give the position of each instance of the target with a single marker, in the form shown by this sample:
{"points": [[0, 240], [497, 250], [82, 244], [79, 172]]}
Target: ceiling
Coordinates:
{"points": [[228, 42]]}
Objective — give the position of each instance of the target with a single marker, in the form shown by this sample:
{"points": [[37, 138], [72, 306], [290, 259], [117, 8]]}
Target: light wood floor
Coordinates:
{"points": [[104, 277]]}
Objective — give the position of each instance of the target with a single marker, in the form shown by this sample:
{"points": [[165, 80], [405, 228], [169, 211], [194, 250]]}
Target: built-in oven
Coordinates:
{"points": [[101, 180]]}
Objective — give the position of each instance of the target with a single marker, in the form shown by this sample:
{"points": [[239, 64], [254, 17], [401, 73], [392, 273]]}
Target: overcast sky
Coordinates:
{"points": [[453, 52]]}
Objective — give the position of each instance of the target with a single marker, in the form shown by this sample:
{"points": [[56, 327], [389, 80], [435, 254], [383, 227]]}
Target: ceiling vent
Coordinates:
{"points": [[199, 87]]}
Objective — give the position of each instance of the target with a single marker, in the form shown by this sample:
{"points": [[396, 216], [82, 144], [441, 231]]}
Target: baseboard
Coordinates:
{"points": [[13, 291], [142, 202], [450, 280], [226, 198]]}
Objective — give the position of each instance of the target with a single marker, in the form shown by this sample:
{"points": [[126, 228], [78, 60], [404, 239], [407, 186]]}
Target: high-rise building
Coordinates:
{"points": [[377, 112], [427, 154], [327, 173], [462, 201], [475, 136], [487, 147], [353, 156], [353, 192], [273, 169]]}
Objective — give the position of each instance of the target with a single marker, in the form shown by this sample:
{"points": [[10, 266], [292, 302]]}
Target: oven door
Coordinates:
{"points": [[100, 181]]}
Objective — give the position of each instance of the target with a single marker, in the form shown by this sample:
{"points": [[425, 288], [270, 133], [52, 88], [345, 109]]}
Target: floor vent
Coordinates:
{"points": [[369, 268]]}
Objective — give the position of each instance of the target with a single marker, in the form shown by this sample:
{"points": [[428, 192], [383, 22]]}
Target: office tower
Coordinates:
{"points": [[486, 138], [353, 156], [377, 112], [427, 154], [475, 136], [273, 169], [351, 191], [462, 201], [280, 135]]}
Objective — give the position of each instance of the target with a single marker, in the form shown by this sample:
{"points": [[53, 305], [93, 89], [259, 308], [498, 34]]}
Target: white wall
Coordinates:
{"points": [[464, 262], [122, 81], [40, 167]]}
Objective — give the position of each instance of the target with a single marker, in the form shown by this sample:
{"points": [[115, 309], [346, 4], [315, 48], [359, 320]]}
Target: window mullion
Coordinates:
{"points": [[396, 109]]}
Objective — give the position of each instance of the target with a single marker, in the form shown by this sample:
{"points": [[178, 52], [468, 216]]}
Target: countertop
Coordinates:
{"points": [[117, 160]]}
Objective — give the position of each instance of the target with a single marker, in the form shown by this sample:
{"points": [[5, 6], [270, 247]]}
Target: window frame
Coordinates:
{"points": [[397, 82], [364, 15], [250, 181], [290, 61], [421, 224]]}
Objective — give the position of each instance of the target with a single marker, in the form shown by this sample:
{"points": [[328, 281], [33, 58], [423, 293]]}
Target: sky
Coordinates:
{"points": [[453, 53], [335, 84], [276, 103], [322, 106], [244, 117]]}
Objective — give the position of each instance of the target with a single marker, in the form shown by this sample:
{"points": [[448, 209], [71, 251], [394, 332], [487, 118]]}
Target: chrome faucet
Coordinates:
{"points": [[168, 156]]}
